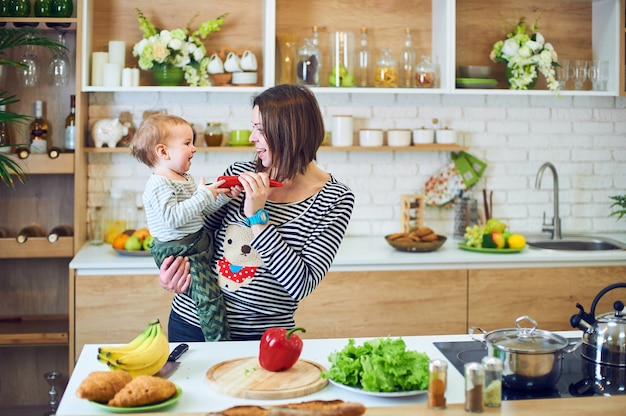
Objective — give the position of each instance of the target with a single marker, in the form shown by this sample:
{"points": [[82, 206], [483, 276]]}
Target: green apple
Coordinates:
{"points": [[133, 243], [147, 242], [494, 225], [347, 80]]}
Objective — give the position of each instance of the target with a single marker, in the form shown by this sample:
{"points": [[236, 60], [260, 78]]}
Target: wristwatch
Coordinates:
{"points": [[261, 217]]}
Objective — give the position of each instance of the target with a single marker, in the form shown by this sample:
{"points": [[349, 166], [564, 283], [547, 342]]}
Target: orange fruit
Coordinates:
{"points": [[119, 241], [141, 233]]}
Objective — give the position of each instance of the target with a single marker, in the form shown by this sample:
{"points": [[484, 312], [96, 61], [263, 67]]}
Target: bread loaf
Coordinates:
{"points": [[310, 408]]}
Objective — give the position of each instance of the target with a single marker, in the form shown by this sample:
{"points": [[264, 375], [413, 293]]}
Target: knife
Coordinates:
{"points": [[171, 365]]}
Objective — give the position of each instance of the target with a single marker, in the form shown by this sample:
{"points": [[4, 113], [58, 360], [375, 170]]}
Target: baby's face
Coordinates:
{"points": [[180, 148]]}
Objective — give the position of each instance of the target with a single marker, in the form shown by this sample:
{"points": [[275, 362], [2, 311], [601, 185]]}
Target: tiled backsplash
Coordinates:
{"points": [[584, 137]]}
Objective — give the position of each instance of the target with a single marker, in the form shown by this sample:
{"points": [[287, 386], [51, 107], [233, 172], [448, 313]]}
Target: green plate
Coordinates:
{"points": [[464, 246], [470, 81], [238, 144], [139, 409]]}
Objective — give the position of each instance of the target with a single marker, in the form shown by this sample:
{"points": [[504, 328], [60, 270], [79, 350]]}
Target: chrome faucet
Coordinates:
{"points": [[555, 227]]}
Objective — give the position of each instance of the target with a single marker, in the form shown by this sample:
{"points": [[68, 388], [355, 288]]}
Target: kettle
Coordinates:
{"points": [[604, 337]]}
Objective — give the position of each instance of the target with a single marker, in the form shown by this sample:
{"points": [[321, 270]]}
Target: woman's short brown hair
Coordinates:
{"points": [[293, 127], [152, 131]]}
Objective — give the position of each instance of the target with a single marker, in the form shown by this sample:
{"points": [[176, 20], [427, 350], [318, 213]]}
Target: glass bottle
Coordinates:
{"points": [[70, 126], [61, 8], [213, 134], [38, 130], [32, 230], [364, 63], [386, 72], [308, 65], [4, 10], [492, 395], [408, 60], [19, 8], [6, 136], [62, 230], [425, 73], [42, 8], [342, 66], [474, 382], [315, 40], [437, 382]]}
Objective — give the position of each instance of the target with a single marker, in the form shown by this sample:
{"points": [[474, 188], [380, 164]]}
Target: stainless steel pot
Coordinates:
{"points": [[532, 359], [605, 380], [604, 337]]}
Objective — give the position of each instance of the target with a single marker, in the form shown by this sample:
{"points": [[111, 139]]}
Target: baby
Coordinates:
{"points": [[175, 209]]}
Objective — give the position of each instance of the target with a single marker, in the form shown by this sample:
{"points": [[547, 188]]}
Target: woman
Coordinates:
{"points": [[274, 244]]}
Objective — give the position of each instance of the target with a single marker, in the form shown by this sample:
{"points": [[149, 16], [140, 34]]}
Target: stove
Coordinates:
{"points": [[575, 380]]}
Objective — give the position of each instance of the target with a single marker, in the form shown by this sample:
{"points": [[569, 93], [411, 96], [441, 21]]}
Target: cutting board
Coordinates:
{"points": [[245, 378]]}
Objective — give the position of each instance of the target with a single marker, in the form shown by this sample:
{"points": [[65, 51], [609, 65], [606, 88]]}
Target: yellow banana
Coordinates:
{"points": [[114, 355], [147, 356], [132, 345]]}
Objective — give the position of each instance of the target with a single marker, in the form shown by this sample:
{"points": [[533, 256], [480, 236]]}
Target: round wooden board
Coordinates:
{"points": [[245, 378]]}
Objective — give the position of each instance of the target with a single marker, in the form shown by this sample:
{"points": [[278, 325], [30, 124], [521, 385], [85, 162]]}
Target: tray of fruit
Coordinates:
{"points": [[492, 237], [133, 243]]}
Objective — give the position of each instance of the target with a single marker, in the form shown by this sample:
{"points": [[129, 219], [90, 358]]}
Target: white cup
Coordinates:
{"points": [[216, 66], [399, 137], [232, 63], [423, 136], [370, 137], [446, 136], [343, 131], [248, 61]]}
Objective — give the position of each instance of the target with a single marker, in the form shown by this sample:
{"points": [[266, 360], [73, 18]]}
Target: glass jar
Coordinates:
{"points": [[61, 8], [386, 72], [42, 8], [118, 215], [474, 382], [437, 382], [308, 64], [213, 134], [425, 73], [342, 66], [492, 395]]}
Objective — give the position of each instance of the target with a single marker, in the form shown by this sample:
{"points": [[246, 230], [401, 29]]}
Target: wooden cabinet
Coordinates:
{"points": [[34, 323], [496, 297]]}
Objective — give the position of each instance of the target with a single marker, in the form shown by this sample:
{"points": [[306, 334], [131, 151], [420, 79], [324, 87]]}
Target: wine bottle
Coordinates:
{"points": [[42, 8], [32, 230], [63, 230], [6, 136], [408, 60], [70, 126], [38, 130]]}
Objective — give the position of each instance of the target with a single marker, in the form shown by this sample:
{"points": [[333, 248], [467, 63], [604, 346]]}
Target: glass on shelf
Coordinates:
{"points": [[60, 68], [42, 8], [20, 8], [386, 72], [29, 76], [579, 73]]}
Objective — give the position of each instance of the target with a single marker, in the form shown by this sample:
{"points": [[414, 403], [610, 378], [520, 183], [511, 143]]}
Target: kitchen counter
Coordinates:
{"points": [[373, 253], [199, 396]]}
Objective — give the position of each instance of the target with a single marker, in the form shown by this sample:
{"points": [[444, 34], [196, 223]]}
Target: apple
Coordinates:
{"points": [[133, 243], [147, 242]]}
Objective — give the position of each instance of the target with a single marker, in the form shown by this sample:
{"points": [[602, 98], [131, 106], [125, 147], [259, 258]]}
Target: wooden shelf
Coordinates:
{"points": [[434, 147], [36, 247], [34, 330], [38, 164]]}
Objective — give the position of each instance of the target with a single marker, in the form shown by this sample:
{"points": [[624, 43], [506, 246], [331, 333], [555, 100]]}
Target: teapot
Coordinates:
{"points": [[604, 337]]}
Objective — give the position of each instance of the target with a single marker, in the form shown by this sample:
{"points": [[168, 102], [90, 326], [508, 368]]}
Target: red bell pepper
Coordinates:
{"points": [[234, 181], [280, 349]]}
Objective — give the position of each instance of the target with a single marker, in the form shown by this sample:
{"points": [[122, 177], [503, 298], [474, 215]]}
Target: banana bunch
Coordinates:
{"points": [[144, 355]]}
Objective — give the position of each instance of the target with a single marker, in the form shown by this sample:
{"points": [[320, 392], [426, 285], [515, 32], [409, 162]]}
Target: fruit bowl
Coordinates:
{"points": [[417, 247], [133, 253]]}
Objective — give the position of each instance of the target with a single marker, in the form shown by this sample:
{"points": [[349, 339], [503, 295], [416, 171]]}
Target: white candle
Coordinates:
{"points": [[127, 77], [117, 53], [135, 77], [98, 59], [112, 75]]}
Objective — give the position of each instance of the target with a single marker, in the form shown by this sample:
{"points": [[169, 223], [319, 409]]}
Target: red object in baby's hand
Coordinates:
{"points": [[234, 181]]}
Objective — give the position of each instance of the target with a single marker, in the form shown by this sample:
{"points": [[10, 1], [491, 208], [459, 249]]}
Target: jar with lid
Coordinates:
{"points": [[437, 382], [425, 73], [213, 134], [492, 395], [386, 71], [474, 382], [308, 64]]}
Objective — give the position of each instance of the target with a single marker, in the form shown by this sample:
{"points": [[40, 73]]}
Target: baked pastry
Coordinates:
{"points": [[101, 386], [143, 390], [310, 408]]}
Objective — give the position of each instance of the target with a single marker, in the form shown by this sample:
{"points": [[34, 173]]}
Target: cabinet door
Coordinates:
{"points": [[498, 296], [115, 309], [381, 303]]}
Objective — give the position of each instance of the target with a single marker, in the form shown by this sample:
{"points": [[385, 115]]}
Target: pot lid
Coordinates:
{"points": [[526, 340]]}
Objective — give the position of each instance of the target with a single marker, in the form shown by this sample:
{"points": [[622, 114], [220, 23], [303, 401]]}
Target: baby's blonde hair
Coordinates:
{"points": [[152, 131]]}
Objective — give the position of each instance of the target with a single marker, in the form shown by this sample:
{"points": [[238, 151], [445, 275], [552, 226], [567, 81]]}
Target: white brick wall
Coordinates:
{"points": [[584, 137]]}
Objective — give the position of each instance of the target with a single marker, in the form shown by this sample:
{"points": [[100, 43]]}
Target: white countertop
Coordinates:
{"points": [[199, 396], [373, 253]]}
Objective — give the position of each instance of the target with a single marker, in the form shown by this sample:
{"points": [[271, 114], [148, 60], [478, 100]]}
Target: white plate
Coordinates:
{"points": [[379, 393]]}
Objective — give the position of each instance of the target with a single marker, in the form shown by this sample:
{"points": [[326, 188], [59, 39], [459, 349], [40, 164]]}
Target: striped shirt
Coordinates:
{"points": [[297, 250], [175, 209]]}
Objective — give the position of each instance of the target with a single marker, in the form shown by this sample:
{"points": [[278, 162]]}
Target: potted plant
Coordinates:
{"points": [[11, 38], [620, 201]]}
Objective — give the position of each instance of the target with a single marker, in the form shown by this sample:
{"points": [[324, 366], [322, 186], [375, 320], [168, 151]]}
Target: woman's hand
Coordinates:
{"points": [[257, 188], [174, 274]]}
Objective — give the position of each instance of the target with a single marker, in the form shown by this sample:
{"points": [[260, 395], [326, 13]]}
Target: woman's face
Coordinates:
{"points": [[258, 138]]}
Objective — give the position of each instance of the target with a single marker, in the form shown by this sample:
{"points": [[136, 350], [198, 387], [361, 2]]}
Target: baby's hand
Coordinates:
{"points": [[215, 187]]}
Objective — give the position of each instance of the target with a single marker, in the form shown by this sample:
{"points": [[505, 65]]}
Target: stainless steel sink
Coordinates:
{"points": [[578, 244]]}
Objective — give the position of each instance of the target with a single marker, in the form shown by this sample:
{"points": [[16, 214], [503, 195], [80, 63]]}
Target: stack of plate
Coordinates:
{"points": [[474, 76], [246, 78]]}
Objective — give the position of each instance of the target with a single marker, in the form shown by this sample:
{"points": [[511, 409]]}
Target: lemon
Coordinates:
{"points": [[516, 241]]}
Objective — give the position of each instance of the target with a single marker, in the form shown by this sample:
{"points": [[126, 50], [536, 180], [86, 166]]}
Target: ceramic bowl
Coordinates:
{"points": [[221, 79], [421, 246], [475, 71]]}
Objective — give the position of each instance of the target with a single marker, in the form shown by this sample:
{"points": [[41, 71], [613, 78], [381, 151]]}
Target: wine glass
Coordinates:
{"points": [[579, 73], [598, 74], [29, 75], [60, 66], [562, 73]]}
